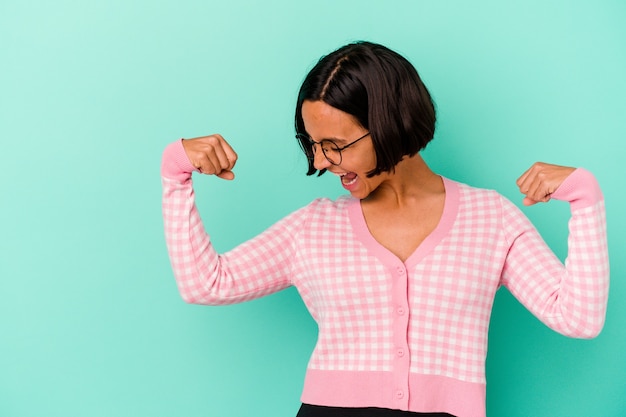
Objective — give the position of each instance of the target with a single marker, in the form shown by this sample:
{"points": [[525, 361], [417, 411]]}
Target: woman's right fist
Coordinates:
{"points": [[211, 155]]}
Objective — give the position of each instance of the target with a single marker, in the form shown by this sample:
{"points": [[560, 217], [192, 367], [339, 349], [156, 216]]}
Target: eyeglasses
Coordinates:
{"points": [[331, 151]]}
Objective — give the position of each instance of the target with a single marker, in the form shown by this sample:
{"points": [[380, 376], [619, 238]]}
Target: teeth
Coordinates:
{"points": [[342, 175]]}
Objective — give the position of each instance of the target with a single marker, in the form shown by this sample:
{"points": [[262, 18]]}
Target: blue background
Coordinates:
{"points": [[91, 92]]}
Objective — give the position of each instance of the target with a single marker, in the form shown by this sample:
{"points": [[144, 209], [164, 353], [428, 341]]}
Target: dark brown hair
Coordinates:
{"points": [[382, 90]]}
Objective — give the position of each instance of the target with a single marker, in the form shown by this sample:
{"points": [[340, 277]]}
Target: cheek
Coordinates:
{"points": [[366, 160], [360, 162], [370, 161]]}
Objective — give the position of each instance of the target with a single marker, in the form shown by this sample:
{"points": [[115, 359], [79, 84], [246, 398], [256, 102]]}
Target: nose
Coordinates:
{"points": [[319, 160]]}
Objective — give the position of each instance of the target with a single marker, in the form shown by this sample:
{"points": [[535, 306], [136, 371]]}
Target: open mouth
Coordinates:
{"points": [[348, 178]]}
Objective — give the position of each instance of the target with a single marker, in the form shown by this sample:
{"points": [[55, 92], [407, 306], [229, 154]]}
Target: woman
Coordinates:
{"points": [[400, 275]]}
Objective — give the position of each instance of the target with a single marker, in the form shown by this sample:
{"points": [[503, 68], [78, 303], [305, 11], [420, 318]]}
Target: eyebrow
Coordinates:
{"points": [[338, 141]]}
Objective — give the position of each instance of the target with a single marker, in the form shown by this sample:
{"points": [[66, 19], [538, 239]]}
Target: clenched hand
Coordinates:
{"points": [[541, 180], [211, 155]]}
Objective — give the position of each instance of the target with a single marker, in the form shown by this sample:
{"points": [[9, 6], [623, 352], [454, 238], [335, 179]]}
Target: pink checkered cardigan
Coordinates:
{"points": [[402, 335]]}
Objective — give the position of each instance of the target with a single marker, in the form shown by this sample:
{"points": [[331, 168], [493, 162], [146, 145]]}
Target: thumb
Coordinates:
{"points": [[227, 175], [529, 201]]}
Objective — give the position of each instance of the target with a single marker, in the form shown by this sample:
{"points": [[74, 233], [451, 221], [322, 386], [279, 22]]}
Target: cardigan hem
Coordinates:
{"points": [[427, 393]]}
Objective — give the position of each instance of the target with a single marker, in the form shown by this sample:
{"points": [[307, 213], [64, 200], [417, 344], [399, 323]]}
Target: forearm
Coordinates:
{"points": [[570, 298], [256, 268]]}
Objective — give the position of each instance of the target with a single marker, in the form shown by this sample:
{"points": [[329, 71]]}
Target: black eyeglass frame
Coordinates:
{"points": [[309, 144]]}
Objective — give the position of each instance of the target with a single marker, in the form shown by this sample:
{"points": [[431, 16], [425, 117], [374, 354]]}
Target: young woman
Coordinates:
{"points": [[401, 274]]}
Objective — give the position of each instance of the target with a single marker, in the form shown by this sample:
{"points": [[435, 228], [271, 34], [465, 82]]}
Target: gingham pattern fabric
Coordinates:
{"points": [[391, 322]]}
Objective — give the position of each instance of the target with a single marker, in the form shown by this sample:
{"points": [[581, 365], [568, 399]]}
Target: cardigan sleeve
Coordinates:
{"points": [[570, 298], [256, 268]]}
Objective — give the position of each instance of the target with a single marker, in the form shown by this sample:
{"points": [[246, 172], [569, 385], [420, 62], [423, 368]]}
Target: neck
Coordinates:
{"points": [[412, 180]]}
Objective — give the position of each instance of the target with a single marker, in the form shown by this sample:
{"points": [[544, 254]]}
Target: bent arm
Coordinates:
{"points": [[256, 268], [571, 298]]}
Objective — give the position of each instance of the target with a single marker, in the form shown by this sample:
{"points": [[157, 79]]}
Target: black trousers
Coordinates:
{"points": [[307, 410]]}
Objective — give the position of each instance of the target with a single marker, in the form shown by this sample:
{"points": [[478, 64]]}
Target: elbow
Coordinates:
{"points": [[587, 330], [189, 298], [193, 295], [203, 298], [580, 323], [588, 334], [592, 331]]}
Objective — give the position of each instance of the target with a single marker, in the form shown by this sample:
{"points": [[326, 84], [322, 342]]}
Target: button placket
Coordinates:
{"points": [[401, 353]]}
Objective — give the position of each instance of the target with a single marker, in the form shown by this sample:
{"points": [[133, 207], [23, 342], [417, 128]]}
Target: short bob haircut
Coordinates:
{"points": [[384, 93]]}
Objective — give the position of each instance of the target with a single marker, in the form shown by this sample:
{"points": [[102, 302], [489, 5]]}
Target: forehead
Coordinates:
{"points": [[322, 121]]}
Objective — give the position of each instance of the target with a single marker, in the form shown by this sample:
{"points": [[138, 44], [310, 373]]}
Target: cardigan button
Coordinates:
{"points": [[400, 311], [400, 270], [399, 394], [400, 352]]}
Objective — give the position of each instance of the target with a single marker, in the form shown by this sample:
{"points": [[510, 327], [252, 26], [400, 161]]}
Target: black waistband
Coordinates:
{"points": [[307, 410]]}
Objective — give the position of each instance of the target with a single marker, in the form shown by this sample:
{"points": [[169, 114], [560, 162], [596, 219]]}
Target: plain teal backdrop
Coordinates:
{"points": [[91, 324]]}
